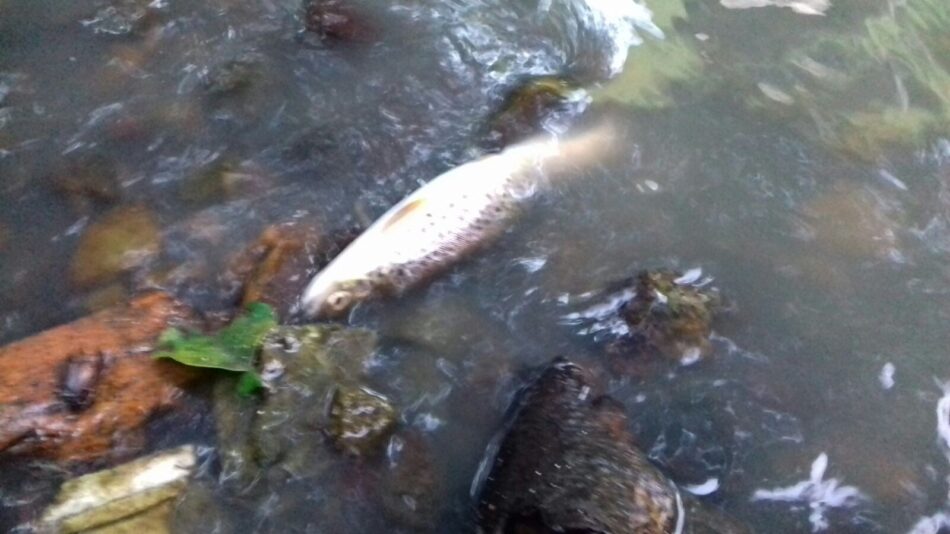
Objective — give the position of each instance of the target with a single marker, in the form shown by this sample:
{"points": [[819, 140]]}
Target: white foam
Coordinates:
{"points": [[802, 7], [533, 265], [889, 178], [887, 375], [602, 317], [818, 493], [706, 488], [621, 19], [934, 523], [690, 356], [690, 277], [931, 525], [943, 421]]}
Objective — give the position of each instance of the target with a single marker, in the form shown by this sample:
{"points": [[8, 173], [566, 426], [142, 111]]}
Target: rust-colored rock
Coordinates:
{"points": [[76, 392], [273, 269]]}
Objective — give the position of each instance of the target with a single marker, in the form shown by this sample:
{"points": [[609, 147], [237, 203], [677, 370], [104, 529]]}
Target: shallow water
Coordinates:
{"points": [[830, 248]]}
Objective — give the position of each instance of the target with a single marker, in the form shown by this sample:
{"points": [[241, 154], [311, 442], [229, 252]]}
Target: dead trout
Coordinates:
{"points": [[448, 218], [568, 463]]}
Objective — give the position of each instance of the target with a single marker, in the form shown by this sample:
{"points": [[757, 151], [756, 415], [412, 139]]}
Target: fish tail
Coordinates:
{"points": [[562, 158]]}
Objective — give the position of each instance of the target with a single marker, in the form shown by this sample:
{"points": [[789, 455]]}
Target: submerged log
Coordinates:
{"points": [[77, 391]]}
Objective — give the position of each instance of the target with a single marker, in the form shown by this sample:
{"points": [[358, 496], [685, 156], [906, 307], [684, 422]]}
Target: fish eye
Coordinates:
{"points": [[339, 300]]}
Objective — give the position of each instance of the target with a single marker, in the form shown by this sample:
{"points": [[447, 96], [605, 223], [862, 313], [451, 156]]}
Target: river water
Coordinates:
{"points": [[796, 153]]}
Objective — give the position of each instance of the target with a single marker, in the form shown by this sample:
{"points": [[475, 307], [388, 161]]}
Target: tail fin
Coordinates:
{"points": [[563, 157]]}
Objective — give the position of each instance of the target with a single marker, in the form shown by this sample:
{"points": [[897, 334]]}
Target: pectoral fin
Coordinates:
{"points": [[404, 213]]}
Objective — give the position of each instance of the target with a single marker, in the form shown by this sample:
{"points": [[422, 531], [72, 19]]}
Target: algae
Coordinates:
{"points": [[656, 65], [879, 81]]}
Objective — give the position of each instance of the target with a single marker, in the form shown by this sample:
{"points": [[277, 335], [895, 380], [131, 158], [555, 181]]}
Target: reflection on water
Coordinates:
{"points": [[801, 161]]}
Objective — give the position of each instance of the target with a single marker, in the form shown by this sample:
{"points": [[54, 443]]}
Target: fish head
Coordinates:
{"points": [[329, 297]]}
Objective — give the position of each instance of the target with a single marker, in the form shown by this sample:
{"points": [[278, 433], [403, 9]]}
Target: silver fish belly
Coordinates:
{"points": [[445, 220]]}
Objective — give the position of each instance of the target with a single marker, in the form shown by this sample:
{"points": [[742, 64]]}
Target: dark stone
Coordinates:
{"points": [[230, 77], [336, 20], [569, 463]]}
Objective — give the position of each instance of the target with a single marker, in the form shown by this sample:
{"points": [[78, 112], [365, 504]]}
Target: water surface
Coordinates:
{"points": [[801, 161]]}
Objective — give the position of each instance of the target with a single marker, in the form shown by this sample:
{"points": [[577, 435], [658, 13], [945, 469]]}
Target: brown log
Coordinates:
{"points": [[80, 391]]}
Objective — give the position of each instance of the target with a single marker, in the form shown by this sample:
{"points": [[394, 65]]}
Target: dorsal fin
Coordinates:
{"points": [[404, 213]]}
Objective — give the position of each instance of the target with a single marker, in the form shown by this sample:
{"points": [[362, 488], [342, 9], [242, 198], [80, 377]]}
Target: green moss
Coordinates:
{"points": [[650, 72], [908, 50]]}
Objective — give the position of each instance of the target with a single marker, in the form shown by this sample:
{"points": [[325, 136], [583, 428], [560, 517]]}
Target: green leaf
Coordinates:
{"points": [[245, 334], [232, 349], [249, 384]]}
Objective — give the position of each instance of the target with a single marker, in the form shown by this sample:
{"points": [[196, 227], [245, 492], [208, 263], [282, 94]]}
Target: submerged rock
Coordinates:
{"points": [[525, 108], [281, 464], [271, 269], [853, 222], [360, 419], [118, 243], [671, 315], [308, 372], [85, 390], [230, 77], [88, 181], [336, 20], [105, 297], [134, 497], [568, 463], [659, 312], [224, 181], [410, 489]]}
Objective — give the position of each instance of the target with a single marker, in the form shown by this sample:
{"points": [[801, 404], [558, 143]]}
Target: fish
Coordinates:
{"points": [[448, 218], [567, 462]]}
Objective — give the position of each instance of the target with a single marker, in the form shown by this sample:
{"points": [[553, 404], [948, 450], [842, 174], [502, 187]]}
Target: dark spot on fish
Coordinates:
{"points": [[78, 380]]}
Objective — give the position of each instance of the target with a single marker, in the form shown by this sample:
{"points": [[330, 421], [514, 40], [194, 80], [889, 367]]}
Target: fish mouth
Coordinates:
{"points": [[313, 302]]}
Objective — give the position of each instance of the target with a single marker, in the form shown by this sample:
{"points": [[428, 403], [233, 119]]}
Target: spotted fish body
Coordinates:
{"points": [[446, 219]]}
